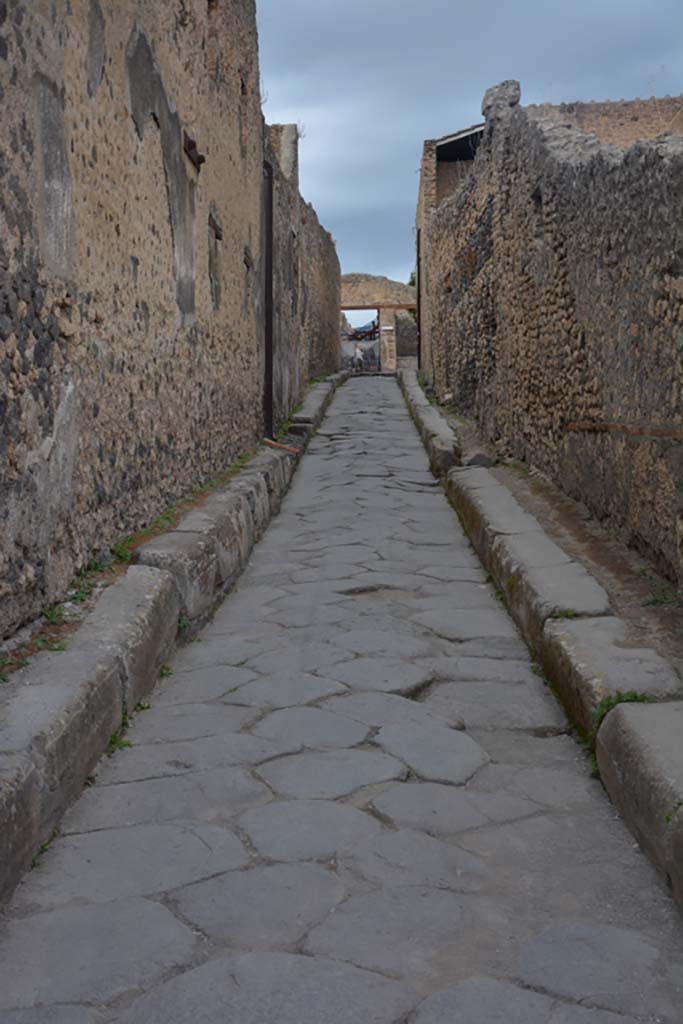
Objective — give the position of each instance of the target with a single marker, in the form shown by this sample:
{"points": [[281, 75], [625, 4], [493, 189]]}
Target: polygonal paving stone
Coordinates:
{"points": [[275, 988], [412, 858], [202, 684], [408, 931], [441, 810], [468, 669], [388, 675], [89, 954], [122, 862], [52, 1015], [556, 787], [280, 691], [567, 1013], [376, 709], [454, 574], [396, 645], [468, 624], [227, 645], [434, 752], [187, 722], [311, 727], [210, 797], [509, 746], [249, 602], [293, 659], [583, 864], [439, 602], [300, 618], [485, 1001], [499, 705], [159, 759], [263, 908], [607, 967], [307, 829], [331, 775]]}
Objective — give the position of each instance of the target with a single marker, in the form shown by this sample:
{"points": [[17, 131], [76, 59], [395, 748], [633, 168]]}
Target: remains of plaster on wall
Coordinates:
{"points": [[215, 238], [50, 468], [56, 206], [95, 47], [149, 99]]}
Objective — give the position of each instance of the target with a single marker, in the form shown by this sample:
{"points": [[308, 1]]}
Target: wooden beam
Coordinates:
{"points": [[381, 305]]}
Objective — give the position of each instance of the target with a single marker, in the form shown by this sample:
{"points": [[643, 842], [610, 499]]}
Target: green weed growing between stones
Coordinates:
{"points": [[44, 847], [608, 704], [124, 548], [670, 815], [117, 740]]}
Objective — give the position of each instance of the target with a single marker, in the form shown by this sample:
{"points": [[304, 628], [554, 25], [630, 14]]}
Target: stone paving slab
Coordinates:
{"points": [[275, 987], [270, 907], [640, 754], [209, 797], [284, 842], [307, 829], [90, 954]]}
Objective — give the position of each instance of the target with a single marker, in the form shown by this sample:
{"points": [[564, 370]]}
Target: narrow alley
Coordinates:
{"points": [[352, 799]]}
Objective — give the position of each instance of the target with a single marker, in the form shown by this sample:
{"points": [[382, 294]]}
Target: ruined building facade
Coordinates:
{"points": [[133, 238], [551, 287]]}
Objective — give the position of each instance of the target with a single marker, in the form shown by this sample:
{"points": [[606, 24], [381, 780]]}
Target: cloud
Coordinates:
{"points": [[371, 79]]}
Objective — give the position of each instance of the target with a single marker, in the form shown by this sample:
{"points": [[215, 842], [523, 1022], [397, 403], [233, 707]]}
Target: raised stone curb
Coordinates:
{"points": [[640, 755], [316, 402], [562, 611], [59, 714], [211, 545], [440, 441], [587, 654], [593, 659]]}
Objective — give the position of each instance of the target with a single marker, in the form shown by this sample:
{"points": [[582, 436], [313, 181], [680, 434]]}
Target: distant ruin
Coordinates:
{"points": [[394, 303]]}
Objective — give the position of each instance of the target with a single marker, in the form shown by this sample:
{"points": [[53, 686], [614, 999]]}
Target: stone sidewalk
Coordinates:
{"points": [[352, 802]]}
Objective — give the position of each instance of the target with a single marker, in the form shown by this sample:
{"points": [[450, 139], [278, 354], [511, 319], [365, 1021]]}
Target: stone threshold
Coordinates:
{"points": [[589, 654], [64, 708]]}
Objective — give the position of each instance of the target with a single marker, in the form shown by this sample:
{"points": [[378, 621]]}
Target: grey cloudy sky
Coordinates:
{"points": [[370, 79]]}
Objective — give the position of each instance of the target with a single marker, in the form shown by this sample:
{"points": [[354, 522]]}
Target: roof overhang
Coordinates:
{"points": [[460, 146]]}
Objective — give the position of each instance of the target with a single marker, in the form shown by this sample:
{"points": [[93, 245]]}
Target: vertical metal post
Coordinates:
{"points": [[418, 274], [268, 424]]}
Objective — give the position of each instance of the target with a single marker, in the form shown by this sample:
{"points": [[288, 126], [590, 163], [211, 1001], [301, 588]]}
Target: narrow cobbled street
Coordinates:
{"points": [[352, 801]]}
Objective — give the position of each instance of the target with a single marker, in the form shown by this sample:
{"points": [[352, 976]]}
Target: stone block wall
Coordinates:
{"points": [[131, 273], [619, 123], [306, 285], [553, 315]]}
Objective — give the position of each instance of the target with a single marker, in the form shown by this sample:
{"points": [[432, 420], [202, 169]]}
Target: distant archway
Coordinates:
{"points": [[395, 304]]}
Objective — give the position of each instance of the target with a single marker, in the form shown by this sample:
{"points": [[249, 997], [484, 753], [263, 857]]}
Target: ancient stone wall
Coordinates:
{"points": [[371, 291], [306, 285], [131, 273], [553, 314], [620, 123]]}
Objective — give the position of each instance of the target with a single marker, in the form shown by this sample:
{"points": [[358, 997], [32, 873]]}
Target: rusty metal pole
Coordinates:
{"points": [[268, 424]]}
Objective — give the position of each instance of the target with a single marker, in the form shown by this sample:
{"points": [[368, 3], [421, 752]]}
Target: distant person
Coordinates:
{"points": [[358, 359]]}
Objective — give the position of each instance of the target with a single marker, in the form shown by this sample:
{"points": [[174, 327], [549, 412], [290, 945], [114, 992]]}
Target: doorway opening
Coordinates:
{"points": [[360, 334]]}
